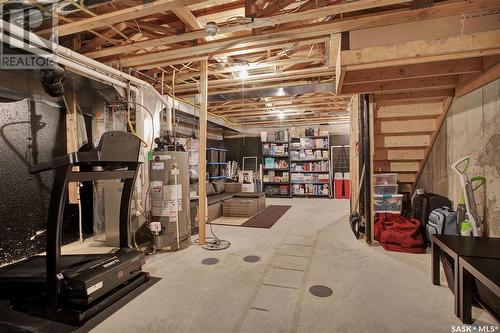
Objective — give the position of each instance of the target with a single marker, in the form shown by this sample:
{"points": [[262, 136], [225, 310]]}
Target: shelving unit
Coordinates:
{"points": [[216, 159], [276, 169], [310, 166]]}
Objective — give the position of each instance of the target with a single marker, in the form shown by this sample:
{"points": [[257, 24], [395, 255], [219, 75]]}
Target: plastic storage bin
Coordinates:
{"points": [[385, 179], [385, 189], [387, 203], [222, 156], [213, 170], [212, 155]]}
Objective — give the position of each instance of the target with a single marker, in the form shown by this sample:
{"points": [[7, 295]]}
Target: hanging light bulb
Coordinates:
{"points": [[281, 115]]}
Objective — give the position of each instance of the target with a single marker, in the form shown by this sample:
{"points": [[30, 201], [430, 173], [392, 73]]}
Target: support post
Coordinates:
{"points": [[72, 141], [202, 162]]}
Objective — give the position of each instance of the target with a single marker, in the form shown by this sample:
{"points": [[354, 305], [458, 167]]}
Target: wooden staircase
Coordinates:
{"points": [[404, 133]]}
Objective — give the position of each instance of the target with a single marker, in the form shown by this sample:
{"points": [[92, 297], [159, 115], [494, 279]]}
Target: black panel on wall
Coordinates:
{"points": [[339, 140], [30, 133], [243, 147]]}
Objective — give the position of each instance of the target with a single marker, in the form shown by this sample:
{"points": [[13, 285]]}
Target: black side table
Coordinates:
{"points": [[457, 246], [485, 270]]}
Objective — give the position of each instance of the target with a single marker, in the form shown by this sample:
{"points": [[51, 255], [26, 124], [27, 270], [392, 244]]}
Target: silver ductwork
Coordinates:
{"points": [[275, 92]]}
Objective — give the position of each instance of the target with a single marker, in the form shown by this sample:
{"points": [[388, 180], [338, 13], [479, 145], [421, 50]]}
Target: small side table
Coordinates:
{"points": [[458, 246]]}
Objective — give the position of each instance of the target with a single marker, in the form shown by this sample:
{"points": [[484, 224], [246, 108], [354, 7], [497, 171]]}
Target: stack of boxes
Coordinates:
{"points": [[386, 198]]}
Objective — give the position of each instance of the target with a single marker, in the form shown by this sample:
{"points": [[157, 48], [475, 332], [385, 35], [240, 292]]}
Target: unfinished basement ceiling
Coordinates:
{"points": [[263, 67], [281, 61]]}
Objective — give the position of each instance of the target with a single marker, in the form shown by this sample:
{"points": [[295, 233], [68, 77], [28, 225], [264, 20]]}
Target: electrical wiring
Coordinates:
{"points": [[287, 11], [130, 123], [213, 243], [210, 113], [132, 130]]}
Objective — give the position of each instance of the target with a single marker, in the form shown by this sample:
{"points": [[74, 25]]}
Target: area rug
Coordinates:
{"points": [[266, 218]]}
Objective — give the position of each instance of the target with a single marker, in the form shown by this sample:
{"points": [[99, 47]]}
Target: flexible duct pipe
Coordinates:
{"points": [[62, 51]]}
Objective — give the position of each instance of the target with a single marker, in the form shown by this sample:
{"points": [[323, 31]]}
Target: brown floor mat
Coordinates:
{"points": [[267, 217]]}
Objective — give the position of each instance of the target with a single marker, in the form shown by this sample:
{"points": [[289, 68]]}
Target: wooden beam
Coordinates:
{"points": [[286, 112], [113, 17], [239, 90], [407, 177], [452, 67], [202, 153], [489, 75], [388, 166], [311, 107], [274, 7], [423, 51], [405, 126], [256, 79], [398, 141], [295, 115], [448, 8], [251, 66], [414, 96], [440, 82], [333, 50], [187, 17], [429, 109], [94, 43], [399, 154], [72, 140], [220, 48], [331, 119], [303, 100]]}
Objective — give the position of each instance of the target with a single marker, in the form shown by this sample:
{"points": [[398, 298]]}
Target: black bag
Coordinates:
{"points": [[424, 204]]}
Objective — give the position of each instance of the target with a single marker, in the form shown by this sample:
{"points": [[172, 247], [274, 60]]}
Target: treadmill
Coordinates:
{"points": [[74, 288]]}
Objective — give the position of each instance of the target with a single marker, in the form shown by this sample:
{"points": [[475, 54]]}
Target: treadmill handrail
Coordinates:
{"points": [[116, 149], [124, 152]]}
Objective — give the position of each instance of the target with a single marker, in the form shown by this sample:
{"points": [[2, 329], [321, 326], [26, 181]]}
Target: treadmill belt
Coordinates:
{"points": [[34, 267]]}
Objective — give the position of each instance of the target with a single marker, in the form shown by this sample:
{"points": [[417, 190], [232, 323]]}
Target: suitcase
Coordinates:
{"points": [[424, 204], [442, 221]]}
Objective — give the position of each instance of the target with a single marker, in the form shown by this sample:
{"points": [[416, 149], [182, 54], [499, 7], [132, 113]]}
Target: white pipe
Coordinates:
{"points": [[80, 217], [96, 75], [176, 170], [93, 64]]}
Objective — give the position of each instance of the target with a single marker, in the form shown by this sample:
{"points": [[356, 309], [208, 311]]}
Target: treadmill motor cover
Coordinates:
{"points": [[101, 276]]}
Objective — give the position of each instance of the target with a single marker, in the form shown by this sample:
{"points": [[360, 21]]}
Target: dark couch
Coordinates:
{"points": [[217, 193]]}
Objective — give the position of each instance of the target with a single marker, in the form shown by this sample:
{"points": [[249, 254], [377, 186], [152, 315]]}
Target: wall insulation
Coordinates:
{"points": [[30, 132]]}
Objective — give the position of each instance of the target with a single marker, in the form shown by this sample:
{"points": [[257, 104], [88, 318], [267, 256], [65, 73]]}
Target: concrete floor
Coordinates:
{"points": [[311, 244]]}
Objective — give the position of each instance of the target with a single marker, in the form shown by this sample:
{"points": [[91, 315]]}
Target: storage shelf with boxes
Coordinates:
{"points": [[216, 163]]}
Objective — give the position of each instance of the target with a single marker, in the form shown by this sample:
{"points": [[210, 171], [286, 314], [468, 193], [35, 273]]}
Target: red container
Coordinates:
{"points": [[342, 188]]}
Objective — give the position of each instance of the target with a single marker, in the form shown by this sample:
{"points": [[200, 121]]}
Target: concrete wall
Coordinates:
{"points": [[472, 128]]}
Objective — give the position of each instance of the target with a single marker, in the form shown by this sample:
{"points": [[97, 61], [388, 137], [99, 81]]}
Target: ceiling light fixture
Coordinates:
{"points": [[281, 115], [243, 74], [211, 28]]}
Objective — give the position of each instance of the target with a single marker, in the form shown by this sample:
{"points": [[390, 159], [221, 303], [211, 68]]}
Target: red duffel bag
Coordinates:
{"points": [[398, 233]]}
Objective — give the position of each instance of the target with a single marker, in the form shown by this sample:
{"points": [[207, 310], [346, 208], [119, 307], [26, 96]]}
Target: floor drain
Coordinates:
{"points": [[210, 261], [251, 258], [321, 291]]}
